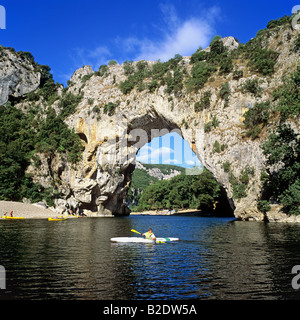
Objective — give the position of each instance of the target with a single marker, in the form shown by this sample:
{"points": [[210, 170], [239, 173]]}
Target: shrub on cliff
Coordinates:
{"points": [[225, 93], [279, 22], [68, 103], [204, 102], [251, 86], [226, 66], [199, 55], [55, 136], [159, 69], [256, 118], [110, 108], [201, 71], [174, 82], [216, 48], [128, 68], [288, 98], [263, 61], [206, 63], [103, 69], [126, 86], [296, 45]]}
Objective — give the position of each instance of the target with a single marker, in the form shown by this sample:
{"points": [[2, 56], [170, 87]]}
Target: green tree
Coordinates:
{"points": [[288, 97], [199, 192], [282, 149]]}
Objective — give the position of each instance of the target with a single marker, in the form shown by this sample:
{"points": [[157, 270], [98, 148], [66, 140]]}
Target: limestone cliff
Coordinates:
{"points": [[114, 125], [104, 174], [18, 75]]}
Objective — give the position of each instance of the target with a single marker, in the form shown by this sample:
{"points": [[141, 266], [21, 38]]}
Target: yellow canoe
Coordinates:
{"points": [[13, 218], [57, 219]]}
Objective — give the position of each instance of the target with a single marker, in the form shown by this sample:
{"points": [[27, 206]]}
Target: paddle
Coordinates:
{"points": [[132, 230]]}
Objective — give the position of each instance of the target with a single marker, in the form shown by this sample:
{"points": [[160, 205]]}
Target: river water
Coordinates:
{"points": [[216, 258]]}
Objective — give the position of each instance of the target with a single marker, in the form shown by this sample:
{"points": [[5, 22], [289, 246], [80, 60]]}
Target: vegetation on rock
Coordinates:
{"points": [[181, 192], [281, 181], [38, 130]]}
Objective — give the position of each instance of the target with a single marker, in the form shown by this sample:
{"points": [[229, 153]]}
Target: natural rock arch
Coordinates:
{"points": [[113, 121], [110, 117], [109, 158]]}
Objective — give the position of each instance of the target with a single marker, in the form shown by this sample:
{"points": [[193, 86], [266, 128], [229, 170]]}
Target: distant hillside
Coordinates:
{"points": [[147, 174], [160, 171]]}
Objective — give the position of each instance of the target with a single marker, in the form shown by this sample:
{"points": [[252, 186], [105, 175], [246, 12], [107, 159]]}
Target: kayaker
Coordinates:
{"points": [[149, 235]]}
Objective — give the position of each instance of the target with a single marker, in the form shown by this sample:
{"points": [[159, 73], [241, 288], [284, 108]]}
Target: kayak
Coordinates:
{"points": [[57, 219], [13, 218], [142, 240]]}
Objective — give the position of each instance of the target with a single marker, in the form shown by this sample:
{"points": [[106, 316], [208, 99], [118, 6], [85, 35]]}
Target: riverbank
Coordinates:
{"points": [[167, 212], [35, 211], [26, 210]]}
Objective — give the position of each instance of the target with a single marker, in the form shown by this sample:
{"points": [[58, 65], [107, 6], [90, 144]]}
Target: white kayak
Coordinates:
{"points": [[142, 240]]}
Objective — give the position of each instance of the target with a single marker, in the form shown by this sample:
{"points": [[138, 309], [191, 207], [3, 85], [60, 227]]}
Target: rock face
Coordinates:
{"points": [[17, 76], [113, 126], [101, 180]]}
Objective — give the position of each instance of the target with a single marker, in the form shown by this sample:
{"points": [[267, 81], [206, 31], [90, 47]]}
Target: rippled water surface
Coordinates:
{"points": [[216, 258]]}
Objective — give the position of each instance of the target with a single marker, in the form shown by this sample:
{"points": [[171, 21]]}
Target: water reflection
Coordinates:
{"points": [[255, 260], [215, 259]]}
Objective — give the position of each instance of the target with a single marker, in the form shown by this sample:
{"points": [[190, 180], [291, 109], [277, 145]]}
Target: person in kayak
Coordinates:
{"points": [[149, 235]]}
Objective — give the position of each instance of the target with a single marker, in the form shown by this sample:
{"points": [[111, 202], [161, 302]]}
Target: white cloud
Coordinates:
{"points": [[178, 36], [182, 36], [143, 154], [185, 40]]}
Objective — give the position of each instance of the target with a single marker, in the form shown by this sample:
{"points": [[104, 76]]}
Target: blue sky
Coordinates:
{"points": [[68, 34]]}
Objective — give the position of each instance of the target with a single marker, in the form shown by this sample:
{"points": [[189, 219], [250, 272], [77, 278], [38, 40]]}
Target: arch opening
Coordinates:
{"points": [[161, 161], [115, 164]]}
